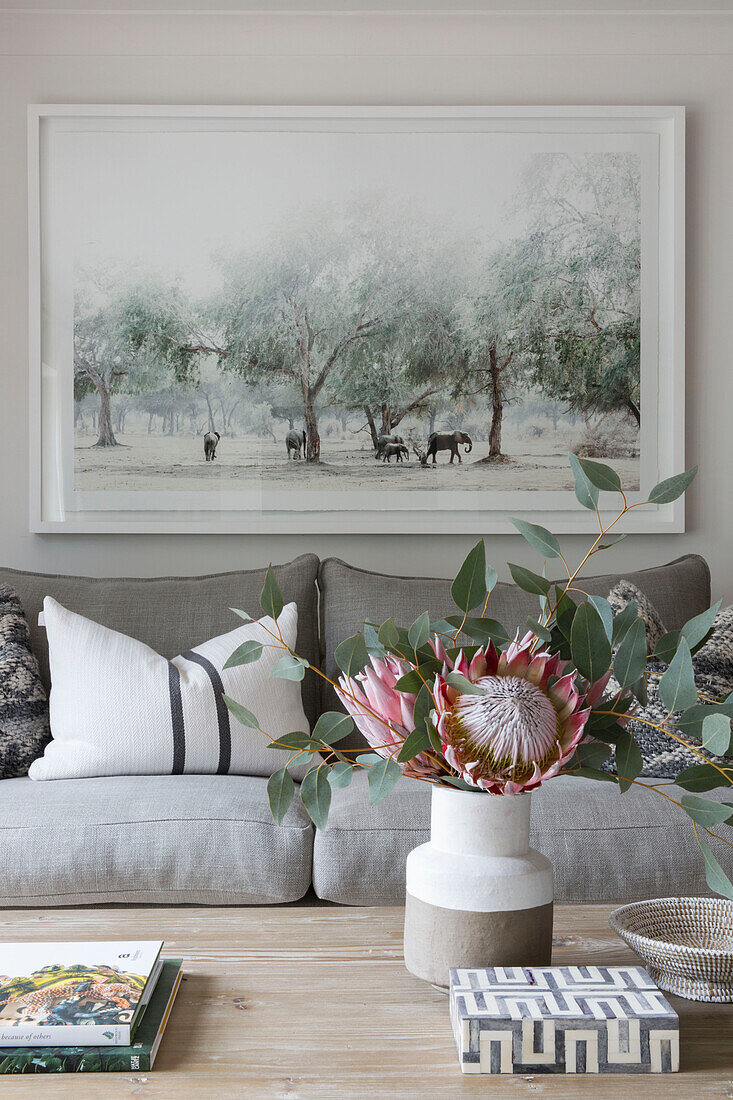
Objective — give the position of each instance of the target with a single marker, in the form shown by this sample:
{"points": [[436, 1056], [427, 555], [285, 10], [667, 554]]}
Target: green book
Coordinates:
{"points": [[107, 1059]]}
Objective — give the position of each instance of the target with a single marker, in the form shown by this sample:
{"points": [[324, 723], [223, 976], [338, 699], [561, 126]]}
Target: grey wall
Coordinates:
{"points": [[594, 57]]}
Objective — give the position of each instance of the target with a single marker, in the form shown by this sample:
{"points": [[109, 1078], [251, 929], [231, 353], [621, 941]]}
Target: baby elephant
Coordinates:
{"points": [[211, 440], [399, 450]]}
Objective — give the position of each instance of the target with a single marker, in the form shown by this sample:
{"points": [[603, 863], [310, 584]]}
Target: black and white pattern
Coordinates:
{"points": [[562, 1019], [665, 758], [23, 704], [119, 708]]}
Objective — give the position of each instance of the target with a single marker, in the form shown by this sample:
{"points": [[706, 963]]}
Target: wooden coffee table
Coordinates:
{"points": [[300, 1002]]}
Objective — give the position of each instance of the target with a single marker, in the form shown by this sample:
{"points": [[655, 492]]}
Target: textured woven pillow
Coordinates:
{"points": [[665, 758], [119, 708], [23, 703]]}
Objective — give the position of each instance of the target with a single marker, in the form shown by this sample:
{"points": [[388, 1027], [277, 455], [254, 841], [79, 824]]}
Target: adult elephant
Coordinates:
{"points": [[384, 441], [448, 441], [295, 441], [211, 442]]}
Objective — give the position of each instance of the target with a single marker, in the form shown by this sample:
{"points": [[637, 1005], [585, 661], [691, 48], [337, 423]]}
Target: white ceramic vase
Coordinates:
{"points": [[477, 894]]}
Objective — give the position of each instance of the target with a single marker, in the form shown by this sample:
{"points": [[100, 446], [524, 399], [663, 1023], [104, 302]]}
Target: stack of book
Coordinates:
{"points": [[89, 1007]]}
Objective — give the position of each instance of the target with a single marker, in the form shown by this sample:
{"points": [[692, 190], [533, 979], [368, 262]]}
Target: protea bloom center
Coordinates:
{"points": [[521, 726]]}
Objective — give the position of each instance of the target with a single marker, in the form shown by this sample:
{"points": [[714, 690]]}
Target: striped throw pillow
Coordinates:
{"points": [[118, 708]]}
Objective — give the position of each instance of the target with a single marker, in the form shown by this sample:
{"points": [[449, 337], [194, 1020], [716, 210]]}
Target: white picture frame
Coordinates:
{"points": [[57, 506]]}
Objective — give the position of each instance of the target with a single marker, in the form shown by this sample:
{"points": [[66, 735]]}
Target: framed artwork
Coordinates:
{"points": [[352, 319]]}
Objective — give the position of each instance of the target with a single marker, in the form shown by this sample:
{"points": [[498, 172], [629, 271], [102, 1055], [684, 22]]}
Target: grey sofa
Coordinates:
{"points": [[211, 839]]}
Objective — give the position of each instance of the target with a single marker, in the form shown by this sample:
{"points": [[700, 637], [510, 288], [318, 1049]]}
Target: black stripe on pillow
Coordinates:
{"points": [[222, 711], [179, 731]]}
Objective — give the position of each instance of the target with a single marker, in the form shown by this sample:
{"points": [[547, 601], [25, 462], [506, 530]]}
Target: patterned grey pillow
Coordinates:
{"points": [[621, 596], [24, 729], [665, 758]]}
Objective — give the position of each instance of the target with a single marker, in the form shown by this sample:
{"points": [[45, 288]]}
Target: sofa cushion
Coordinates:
{"points": [[604, 846], [351, 596], [24, 729], [173, 614], [206, 839]]}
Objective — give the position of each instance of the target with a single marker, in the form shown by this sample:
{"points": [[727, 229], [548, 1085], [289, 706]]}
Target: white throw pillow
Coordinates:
{"points": [[119, 708]]}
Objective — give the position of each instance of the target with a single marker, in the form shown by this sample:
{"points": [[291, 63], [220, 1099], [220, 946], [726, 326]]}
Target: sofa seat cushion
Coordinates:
{"points": [[604, 846], [350, 597], [203, 839], [174, 614]]}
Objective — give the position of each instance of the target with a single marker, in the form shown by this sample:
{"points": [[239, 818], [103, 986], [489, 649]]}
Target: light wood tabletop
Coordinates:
{"points": [[291, 1003]]}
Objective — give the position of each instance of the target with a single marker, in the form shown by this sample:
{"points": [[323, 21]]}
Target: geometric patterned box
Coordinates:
{"points": [[562, 1019]]}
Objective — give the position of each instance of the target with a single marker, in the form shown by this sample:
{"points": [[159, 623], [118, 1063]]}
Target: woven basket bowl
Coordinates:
{"points": [[686, 943]]}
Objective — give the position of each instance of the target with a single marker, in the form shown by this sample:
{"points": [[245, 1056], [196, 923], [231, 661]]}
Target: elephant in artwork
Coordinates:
{"points": [[295, 442], [398, 450], [385, 440], [211, 441], [448, 441]]}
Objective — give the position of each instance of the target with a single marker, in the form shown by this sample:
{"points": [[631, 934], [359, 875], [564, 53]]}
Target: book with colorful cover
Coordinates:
{"points": [[139, 1056], [69, 994]]}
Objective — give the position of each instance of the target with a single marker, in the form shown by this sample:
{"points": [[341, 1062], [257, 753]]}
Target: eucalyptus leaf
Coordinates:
{"points": [[603, 608], [540, 630], [315, 794], [716, 733], [529, 581], [696, 629], [677, 688], [469, 588], [245, 654], [630, 659], [640, 690], [280, 791], [690, 722], [340, 775], [699, 777], [271, 600], [351, 655], [585, 490], [539, 538], [715, 876], [666, 647], [592, 754], [421, 709], [624, 620], [382, 778], [463, 684], [461, 784], [704, 811], [629, 761], [296, 740], [600, 475], [388, 634], [416, 678], [332, 727], [589, 643], [371, 641], [244, 716], [416, 742], [609, 540], [672, 487], [419, 632], [491, 578], [242, 614], [586, 772], [289, 668], [482, 630]]}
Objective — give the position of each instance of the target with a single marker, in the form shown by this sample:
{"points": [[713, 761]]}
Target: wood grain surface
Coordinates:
{"points": [[297, 1002]]}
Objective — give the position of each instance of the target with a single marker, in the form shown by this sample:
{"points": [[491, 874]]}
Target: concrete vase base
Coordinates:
{"points": [[477, 894], [437, 939]]}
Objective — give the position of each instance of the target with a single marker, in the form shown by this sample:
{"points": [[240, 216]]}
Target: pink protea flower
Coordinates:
{"points": [[383, 715], [524, 725]]}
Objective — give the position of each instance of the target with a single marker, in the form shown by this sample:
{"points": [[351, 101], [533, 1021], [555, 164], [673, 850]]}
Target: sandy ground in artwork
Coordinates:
{"points": [[176, 463]]}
